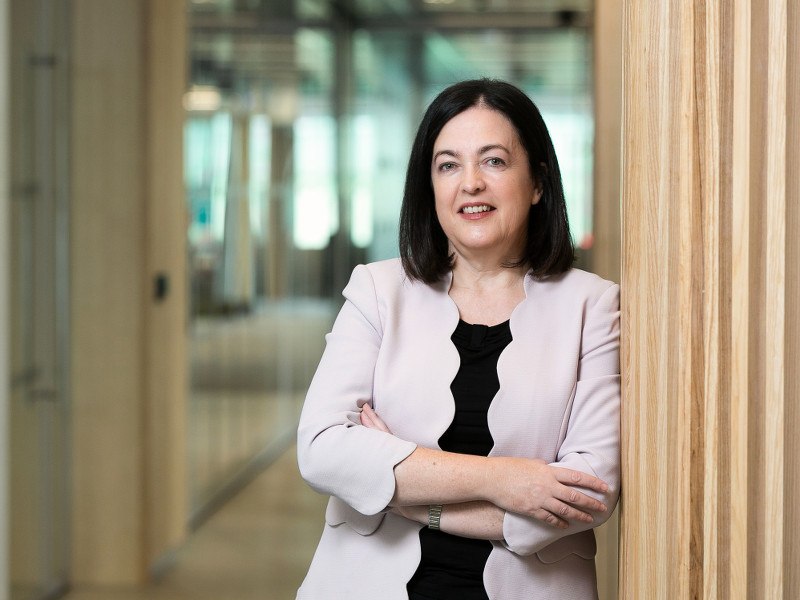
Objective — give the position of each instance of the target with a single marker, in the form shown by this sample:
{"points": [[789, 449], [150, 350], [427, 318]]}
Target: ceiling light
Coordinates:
{"points": [[204, 98]]}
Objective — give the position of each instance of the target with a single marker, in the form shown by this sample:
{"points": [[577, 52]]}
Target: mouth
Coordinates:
{"points": [[475, 209]]}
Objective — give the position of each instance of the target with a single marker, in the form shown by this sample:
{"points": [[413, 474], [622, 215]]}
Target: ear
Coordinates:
{"points": [[539, 189]]}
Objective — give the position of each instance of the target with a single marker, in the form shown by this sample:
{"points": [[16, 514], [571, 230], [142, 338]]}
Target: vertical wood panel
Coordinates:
{"points": [[607, 50], [707, 73], [659, 181], [166, 360], [739, 295], [709, 269], [724, 263], [128, 348], [107, 251], [605, 257], [606, 252], [791, 564], [775, 204], [757, 290]]}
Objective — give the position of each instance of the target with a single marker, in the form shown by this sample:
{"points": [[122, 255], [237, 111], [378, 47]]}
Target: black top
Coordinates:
{"points": [[451, 567]]}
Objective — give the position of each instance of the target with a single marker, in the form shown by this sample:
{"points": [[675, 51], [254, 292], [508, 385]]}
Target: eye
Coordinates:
{"points": [[495, 162], [446, 166]]}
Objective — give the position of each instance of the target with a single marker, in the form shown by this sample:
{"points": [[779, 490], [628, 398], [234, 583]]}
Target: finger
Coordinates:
{"points": [[579, 500], [547, 517], [377, 422], [580, 479], [366, 421], [566, 512]]}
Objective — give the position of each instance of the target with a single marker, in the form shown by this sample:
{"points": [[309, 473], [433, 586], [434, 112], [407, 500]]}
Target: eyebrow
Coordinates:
{"points": [[481, 150], [452, 153], [488, 147]]}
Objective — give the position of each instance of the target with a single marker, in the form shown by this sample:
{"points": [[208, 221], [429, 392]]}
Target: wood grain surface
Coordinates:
{"points": [[709, 279]]}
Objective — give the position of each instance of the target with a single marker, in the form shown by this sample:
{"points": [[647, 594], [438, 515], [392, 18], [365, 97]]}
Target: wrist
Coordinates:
{"points": [[491, 478], [434, 516], [417, 513]]}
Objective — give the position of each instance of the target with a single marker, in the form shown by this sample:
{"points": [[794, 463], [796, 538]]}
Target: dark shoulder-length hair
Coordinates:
{"points": [[423, 245]]}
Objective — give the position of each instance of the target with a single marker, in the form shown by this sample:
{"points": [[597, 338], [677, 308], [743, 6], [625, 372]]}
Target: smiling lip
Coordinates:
{"points": [[475, 210]]}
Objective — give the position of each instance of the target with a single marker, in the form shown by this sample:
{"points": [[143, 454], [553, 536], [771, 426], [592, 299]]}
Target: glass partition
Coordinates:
{"points": [[39, 300], [300, 118]]}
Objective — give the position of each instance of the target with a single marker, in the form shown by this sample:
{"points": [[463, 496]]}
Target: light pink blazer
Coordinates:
{"points": [[558, 401]]}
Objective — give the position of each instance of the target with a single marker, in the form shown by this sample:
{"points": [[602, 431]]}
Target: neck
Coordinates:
{"points": [[477, 276], [486, 294]]}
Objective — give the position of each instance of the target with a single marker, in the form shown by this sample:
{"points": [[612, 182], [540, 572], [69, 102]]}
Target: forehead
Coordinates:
{"points": [[477, 126]]}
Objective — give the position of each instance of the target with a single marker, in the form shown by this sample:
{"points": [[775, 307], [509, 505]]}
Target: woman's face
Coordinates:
{"points": [[482, 185]]}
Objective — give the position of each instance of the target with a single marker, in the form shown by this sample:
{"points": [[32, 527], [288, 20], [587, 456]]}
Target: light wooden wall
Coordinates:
{"points": [[607, 76], [107, 292], [605, 256], [128, 358], [711, 171], [166, 351]]}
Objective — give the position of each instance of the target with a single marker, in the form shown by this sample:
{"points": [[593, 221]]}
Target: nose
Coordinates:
{"points": [[472, 182]]}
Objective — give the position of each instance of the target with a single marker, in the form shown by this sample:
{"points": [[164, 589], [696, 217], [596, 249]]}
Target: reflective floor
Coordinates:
{"points": [[258, 546], [249, 375]]}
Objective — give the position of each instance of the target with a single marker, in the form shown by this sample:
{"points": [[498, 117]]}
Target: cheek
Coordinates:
{"points": [[441, 197], [520, 218], [441, 188], [439, 209]]}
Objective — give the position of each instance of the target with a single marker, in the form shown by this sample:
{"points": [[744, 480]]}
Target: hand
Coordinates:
{"points": [[533, 488], [524, 486], [417, 513], [369, 418]]}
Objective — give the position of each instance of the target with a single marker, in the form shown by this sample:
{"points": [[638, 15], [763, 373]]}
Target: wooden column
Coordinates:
{"points": [[607, 75], [128, 347], [710, 282], [605, 254], [107, 290], [167, 219], [791, 558]]}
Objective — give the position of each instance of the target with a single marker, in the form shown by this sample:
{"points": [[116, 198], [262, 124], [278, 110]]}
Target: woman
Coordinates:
{"points": [[464, 417]]}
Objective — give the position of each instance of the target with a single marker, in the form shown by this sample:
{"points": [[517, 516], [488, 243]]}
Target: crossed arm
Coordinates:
{"points": [[477, 491], [522, 501]]}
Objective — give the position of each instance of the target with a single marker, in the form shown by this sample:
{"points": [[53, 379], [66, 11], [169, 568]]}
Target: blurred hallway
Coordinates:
{"points": [[258, 546], [186, 184], [191, 184]]}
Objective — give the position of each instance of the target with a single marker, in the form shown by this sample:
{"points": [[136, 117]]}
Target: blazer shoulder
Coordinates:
{"points": [[579, 284], [387, 272], [390, 281], [375, 276], [373, 285]]}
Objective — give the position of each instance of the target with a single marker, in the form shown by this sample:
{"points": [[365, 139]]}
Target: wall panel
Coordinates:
{"points": [[166, 354], [709, 281], [107, 250], [607, 74], [605, 256], [128, 347], [791, 559]]}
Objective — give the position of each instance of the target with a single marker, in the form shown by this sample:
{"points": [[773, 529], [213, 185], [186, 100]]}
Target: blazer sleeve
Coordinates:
{"points": [[336, 454], [592, 440]]}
